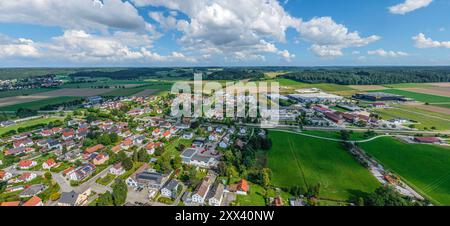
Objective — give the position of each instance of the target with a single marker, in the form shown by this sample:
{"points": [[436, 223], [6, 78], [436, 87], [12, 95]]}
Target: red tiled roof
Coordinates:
{"points": [[94, 148], [427, 139], [50, 162], [34, 201], [16, 203], [25, 163], [242, 185]]}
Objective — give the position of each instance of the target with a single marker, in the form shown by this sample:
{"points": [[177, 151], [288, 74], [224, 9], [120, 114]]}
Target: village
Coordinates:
{"points": [[131, 147]]}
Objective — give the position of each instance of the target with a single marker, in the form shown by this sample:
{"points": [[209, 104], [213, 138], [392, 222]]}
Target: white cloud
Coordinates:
{"points": [[384, 53], [17, 47], [422, 42], [329, 38], [409, 6], [74, 14], [78, 46], [236, 29]]}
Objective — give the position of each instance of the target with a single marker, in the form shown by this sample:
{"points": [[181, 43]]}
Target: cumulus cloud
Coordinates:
{"points": [[21, 47], [74, 14], [237, 29], [409, 6], [384, 53], [329, 38], [422, 42], [82, 47]]}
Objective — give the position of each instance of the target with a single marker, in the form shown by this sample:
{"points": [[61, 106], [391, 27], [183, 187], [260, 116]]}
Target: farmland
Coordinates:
{"points": [[24, 92], [422, 97], [301, 161], [28, 123], [37, 105], [424, 167], [425, 119]]}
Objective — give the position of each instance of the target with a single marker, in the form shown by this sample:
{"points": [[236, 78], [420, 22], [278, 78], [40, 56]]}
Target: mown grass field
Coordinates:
{"points": [[28, 123], [425, 119], [336, 135], [424, 167], [296, 160], [37, 105], [422, 97]]}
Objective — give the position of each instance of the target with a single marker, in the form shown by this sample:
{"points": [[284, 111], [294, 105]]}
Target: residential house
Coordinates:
{"points": [[126, 144], [68, 134], [14, 203], [200, 193], [240, 188], [4, 176], [74, 199], [26, 164], [170, 190], [82, 172], [49, 164], [215, 195], [26, 177], [117, 169], [23, 143], [188, 136], [95, 148], [32, 190], [100, 159], [34, 201]]}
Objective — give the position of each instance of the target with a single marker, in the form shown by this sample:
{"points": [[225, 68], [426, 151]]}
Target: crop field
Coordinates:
{"points": [[438, 108], [367, 87], [296, 160], [355, 136], [45, 96], [161, 86], [424, 121], [24, 92], [424, 167], [28, 123], [38, 104], [438, 91], [418, 96], [105, 82]]}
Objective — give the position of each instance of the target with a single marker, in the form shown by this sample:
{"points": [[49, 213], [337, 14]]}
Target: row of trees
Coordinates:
{"points": [[372, 76]]}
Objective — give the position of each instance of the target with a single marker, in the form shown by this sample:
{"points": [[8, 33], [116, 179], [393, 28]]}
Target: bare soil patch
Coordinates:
{"points": [[441, 84], [440, 91]]}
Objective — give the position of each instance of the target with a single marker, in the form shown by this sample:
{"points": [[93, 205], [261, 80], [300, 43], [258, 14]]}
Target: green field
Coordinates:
{"points": [[162, 86], [427, 98], [255, 197], [323, 86], [25, 92], [426, 119], [28, 123], [103, 82], [442, 105], [424, 167], [296, 160], [37, 105], [409, 85], [335, 135]]}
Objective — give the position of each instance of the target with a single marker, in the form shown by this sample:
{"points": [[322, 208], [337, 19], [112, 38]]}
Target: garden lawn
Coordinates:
{"points": [[301, 161], [255, 197], [426, 168]]}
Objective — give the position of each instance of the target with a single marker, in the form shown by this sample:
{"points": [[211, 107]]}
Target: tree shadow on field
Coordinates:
{"points": [[356, 194]]}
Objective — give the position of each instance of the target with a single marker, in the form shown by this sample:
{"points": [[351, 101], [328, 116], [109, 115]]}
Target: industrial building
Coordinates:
{"points": [[319, 97]]}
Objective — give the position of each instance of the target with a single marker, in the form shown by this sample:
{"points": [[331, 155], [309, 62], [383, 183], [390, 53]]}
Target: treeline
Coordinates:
{"points": [[133, 73], [372, 75], [234, 74]]}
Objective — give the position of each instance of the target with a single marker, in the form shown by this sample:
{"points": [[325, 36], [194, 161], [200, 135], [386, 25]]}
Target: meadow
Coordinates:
{"points": [[28, 123], [423, 167], [301, 161], [24, 92], [425, 119]]}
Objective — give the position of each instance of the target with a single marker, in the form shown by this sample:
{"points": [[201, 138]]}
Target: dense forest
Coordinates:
{"points": [[234, 74], [371, 75]]}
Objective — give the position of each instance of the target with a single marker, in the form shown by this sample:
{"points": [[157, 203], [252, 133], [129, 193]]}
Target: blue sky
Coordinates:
{"points": [[75, 33]]}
